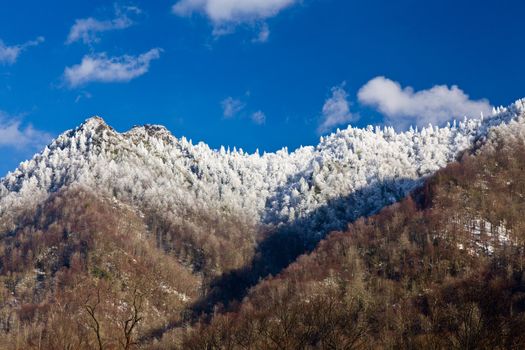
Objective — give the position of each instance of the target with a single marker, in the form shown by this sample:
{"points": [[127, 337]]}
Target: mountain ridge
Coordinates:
{"points": [[272, 188], [441, 269]]}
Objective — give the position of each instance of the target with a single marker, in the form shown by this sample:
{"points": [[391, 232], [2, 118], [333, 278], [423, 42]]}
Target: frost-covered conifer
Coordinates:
{"points": [[349, 173]]}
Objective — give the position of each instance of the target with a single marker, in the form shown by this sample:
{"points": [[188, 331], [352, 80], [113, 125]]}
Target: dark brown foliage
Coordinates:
{"points": [[83, 273], [443, 269]]}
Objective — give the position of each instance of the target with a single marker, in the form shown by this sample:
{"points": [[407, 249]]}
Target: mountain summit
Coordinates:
{"points": [[349, 173]]}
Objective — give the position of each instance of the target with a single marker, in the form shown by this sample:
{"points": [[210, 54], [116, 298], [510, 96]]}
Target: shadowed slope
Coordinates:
{"points": [[441, 269]]}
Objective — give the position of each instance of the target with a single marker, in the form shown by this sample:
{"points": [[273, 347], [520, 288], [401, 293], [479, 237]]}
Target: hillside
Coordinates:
{"points": [[121, 240], [442, 269]]}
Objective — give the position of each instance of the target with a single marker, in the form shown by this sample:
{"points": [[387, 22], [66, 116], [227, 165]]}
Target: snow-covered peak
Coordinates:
{"points": [[151, 130], [349, 173], [93, 123]]}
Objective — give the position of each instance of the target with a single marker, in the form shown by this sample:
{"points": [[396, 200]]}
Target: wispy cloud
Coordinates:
{"points": [[336, 110], [104, 69], [263, 35], [9, 54], [231, 106], [404, 106], [235, 108], [88, 29], [14, 134], [258, 118], [227, 14], [83, 95]]}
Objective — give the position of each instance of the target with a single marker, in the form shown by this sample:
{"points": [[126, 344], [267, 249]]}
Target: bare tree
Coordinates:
{"points": [[91, 309], [130, 323]]}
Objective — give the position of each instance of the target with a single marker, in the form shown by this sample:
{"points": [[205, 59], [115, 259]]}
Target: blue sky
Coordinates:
{"points": [[251, 73]]}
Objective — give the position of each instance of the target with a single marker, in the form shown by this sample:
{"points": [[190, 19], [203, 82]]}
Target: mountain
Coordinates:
{"points": [[442, 269], [148, 167], [112, 239]]}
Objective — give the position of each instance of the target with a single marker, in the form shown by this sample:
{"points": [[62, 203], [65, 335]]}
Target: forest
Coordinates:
{"points": [[442, 268]]}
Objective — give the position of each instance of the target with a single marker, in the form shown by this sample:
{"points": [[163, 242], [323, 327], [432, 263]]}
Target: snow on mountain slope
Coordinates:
{"points": [[149, 168]]}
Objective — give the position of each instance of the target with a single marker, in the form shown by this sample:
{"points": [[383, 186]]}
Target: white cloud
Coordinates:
{"points": [[87, 29], [9, 54], [101, 68], [14, 135], [259, 118], [232, 10], [404, 106], [231, 106], [226, 14], [336, 110]]}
